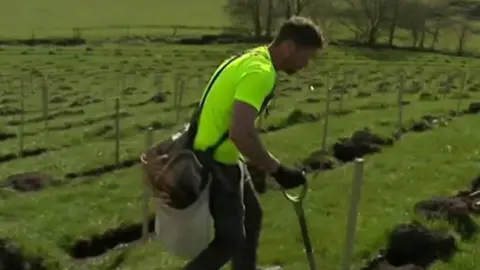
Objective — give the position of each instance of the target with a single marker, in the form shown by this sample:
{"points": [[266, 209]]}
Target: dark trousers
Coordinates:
{"points": [[237, 218]]}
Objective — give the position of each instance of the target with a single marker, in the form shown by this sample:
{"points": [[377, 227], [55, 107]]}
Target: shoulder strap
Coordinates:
{"points": [[194, 120], [198, 110]]}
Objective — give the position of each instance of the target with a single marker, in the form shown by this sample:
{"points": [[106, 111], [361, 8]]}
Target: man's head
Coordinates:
{"points": [[295, 43]]}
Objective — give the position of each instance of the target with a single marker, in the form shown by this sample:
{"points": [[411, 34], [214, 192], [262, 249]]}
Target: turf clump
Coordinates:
{"points": [[454, 209], [12, 258], [361, 143], [294, 117], [414, 245], [457, 209], [5, 135], [474, 108], [319, 161], [83, 101], [159, 97], [8, 111], [29, 181], [428, 122]]}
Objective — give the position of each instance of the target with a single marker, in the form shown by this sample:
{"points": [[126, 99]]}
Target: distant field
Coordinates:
{"points": [[83, 83], [56, 17]]}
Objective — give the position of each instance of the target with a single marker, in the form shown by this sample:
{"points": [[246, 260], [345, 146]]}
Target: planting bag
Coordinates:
{"points": [[184, 232]]}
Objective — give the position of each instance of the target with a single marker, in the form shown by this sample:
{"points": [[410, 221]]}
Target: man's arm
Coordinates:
{"points": [[245, 136]]}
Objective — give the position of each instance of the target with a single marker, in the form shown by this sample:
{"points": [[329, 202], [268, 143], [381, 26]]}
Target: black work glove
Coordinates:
{"points": [[289, 178]]}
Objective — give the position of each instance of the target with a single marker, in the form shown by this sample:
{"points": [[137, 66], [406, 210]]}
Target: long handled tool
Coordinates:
{"points": [[297, 202]]}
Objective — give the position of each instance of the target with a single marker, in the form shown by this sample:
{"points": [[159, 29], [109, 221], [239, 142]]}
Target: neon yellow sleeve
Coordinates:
{"points": [[254, 86]]}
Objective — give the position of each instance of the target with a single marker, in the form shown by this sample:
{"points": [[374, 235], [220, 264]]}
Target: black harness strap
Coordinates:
{"points": [[195, 119]]}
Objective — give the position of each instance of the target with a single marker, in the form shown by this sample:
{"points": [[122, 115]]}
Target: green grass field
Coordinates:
{"points": [[78, 141], [83, 84]]}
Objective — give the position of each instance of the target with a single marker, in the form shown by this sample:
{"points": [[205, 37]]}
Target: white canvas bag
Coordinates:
{"points": [[187, 232]]}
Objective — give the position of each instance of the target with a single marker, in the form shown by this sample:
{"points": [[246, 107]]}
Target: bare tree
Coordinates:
{"points": [[246, 13], [323, 13], [365, 18], [463, 29], [415, 15], [439, 21], [394, 13], [293, 7], [269, 18]]}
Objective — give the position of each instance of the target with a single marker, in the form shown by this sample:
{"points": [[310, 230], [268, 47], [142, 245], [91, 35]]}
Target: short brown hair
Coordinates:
{"points": [[302, 31]]}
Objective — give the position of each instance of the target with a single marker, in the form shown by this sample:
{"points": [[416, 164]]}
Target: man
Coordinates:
{"points": [[240, 91]]}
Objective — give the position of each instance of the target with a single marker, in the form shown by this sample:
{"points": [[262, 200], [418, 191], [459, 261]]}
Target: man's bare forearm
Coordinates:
{"points": [[250, 145]]}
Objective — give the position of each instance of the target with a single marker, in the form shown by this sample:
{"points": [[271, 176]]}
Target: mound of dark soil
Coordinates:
{"points": [[312, 100], [155, 125], [29, 181], [5, 136], [412, 245], [474, 108], [83, 101], [362, 94], [100, 244], [374, 106], [129, 91], [58, 99], [294, 118], [12, 258], [159, 97], [453, 209], [99, 131], [361, 143], [319, 160], [9, 110], [298, 116], [7, 101], [341, 112], [428, 122], [427, 96]]}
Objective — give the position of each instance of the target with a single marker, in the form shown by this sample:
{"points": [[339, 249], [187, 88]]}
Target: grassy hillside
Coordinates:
{"points": [[66, 204], [55, 17], [90, 198]]}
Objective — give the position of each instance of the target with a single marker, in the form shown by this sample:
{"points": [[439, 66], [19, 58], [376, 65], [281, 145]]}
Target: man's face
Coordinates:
{"points": [[297, 57]]}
